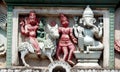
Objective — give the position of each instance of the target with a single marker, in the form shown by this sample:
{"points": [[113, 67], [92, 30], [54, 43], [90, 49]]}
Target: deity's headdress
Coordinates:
{"points": [[32, 11], [88, 12], [64, 20], [63, 17]]}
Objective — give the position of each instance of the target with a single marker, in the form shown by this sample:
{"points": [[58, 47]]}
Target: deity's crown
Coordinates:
{"points": [[63, 17], [88, 12]]}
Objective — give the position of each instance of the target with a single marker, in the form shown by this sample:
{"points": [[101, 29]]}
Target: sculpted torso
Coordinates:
{"points": [[88, 36], [65, 36], [31, 28]]}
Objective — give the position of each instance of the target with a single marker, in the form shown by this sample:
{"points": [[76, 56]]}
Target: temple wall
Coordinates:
{"points": [[117, 24], [3, 12], [117, 36], [34, 61], [55, 11], [45, 70]]}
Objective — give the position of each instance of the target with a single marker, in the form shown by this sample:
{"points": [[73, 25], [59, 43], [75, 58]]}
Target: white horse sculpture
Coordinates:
{"points": [[3, 41], [3, 33], [48, 46]]}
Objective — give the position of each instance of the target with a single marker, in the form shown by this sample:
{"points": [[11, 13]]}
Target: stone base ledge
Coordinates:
{"points": [[46, 70]]}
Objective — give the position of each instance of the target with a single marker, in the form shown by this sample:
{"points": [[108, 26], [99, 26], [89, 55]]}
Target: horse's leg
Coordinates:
{"points": [[50, 57], [23, 54]]}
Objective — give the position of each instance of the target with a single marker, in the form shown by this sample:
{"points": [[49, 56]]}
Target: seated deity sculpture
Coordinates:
{"points": [[66, 41], [29, 27], [88, 33]]}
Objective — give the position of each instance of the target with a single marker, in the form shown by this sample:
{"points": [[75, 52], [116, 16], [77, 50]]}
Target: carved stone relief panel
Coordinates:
{"points": [[58, 28]]}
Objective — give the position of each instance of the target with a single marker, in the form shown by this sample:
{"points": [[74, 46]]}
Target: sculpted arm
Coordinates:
{"points": [[75, 30], [37, 25], [98, 31], [22, 24], [34, 27], [72, 36], [60, 29], [25, 26], [101, 29]]}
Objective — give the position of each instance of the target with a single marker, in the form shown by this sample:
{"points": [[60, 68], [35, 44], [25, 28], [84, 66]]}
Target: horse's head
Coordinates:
{"points": [[53, 31]]}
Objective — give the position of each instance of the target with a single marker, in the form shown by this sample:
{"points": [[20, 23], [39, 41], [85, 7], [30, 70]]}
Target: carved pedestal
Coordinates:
{"points": [[88, 60]]}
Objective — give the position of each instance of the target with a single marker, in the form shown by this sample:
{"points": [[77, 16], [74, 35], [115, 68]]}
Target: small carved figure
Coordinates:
{"points": [[65, 44], [117, 45], [88, 32], [48, 45], [41, 32], [29, 28]]}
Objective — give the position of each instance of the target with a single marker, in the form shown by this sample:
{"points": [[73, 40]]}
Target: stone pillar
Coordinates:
{"points": [[9, 36], [111, 36], [15, 38]]}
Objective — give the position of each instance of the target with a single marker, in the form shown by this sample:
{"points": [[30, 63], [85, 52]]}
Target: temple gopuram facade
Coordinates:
{"points": [[59, 36]]}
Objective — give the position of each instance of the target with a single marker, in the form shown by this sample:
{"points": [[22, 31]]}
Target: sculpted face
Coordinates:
{"points": [[88, 21], [53, 31], [65, 23], [88, 17], [32, 17], [64, 20]]}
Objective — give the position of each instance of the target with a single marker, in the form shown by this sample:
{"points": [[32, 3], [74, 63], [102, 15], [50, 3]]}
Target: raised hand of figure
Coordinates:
{"points": [[75, 19], [22, 23], [100, 26]]}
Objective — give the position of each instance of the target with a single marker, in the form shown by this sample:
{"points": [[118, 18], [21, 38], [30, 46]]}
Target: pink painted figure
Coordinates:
{"points": [[29, 27], [117, 45], [66, 45]]}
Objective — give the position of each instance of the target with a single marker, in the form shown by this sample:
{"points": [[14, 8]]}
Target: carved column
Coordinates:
{"points": [[15, 39], [9, 36], [111, 36]]}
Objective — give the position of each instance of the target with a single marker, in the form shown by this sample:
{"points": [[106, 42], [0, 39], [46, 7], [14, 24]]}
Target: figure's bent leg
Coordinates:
{"points": [[35, 43], [72, 49], [81, 43], [97, 46], [65, 51], [58, 52]]}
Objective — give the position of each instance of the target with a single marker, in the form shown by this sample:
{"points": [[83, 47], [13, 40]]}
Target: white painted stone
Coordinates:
{"points": [[81, 71], [112, 71], [87, 65], [10, 70], [106, 39], [17, 70], [55, 11], [15, 39], [89, 70]]}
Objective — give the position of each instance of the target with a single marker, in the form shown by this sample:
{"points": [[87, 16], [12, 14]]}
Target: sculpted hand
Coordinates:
{"points": [[75, 40], [100, 26], [22, 23]]}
